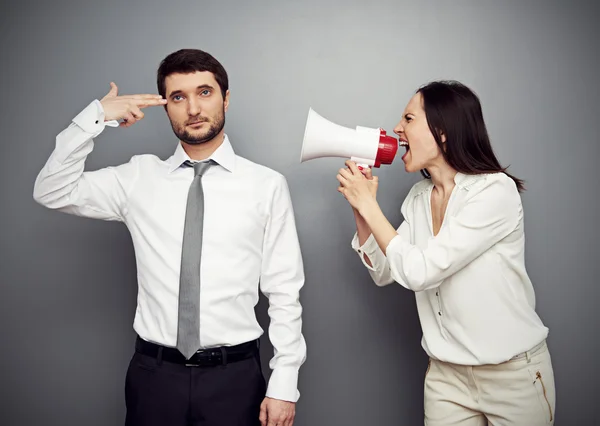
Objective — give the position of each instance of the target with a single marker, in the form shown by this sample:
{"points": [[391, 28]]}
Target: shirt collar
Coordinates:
{"points": [[464, 180], [223, 155]]}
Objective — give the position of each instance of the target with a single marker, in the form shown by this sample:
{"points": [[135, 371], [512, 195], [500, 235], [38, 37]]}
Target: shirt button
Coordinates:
{"points": [[436, 293], [96, 121], [440, 314]]}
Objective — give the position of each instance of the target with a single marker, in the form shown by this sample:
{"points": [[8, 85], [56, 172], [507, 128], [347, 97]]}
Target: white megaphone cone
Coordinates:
{"points": [[365, 146]]}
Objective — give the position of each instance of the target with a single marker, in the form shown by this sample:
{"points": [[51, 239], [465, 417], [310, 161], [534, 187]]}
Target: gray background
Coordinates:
{"points": [[68, 284]]}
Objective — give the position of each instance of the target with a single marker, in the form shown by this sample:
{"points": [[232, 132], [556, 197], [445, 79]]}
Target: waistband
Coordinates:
{"points": [[528, 354], [205, 357]]}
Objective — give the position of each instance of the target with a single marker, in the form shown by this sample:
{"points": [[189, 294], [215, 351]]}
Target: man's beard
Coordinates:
{"points": [[214, 129]]}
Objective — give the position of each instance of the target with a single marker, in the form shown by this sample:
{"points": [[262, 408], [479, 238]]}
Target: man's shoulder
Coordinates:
{"points": [[141, 163], [256, 169], [149, 160]]}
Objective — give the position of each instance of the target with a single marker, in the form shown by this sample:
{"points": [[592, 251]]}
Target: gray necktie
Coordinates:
{"points": [[188, 326]]}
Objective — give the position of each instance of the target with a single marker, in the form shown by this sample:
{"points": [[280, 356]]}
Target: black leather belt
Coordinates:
{"points": [[206, 357]]}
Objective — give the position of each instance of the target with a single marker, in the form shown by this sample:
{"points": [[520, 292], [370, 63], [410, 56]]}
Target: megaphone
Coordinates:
{"points": [[365, 146]]}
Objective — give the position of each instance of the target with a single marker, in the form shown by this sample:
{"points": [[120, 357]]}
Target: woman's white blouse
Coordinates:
{"points": [[475, 300]]}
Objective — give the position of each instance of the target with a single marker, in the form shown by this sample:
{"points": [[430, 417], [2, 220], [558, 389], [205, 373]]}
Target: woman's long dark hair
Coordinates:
{"points": [[454, 110]]}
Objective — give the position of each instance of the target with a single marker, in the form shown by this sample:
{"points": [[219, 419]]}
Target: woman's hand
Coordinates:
{"points": [[358, 187]]}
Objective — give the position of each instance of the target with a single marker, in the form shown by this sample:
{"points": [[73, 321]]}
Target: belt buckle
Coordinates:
{"points": [[208, 357], [194, 357]]}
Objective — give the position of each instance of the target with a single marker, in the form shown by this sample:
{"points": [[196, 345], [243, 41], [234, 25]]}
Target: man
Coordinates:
{"points": [[209, 229]]}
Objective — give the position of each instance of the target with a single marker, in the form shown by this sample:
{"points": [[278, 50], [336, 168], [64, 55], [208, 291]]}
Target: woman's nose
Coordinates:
{"points": [[399, 129]]}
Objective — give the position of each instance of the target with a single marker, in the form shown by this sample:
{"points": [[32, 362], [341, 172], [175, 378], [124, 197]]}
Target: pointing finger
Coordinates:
{"points": [[144, 96], [150, 102]]}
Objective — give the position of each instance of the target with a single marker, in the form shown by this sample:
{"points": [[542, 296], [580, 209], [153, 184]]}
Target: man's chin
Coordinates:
{"points": [[191, 136], [194, 141], [195, 138]]}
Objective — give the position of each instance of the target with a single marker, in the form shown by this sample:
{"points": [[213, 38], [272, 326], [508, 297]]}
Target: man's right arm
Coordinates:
{"points": [[62, 183]]}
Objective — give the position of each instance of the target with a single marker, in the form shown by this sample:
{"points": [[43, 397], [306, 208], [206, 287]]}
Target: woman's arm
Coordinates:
{"points": [[373, 257], [492, 212]]}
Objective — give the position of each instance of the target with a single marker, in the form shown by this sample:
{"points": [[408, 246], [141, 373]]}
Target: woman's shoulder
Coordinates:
{"points": [[498, 187], [495, 193], [499, 183]]}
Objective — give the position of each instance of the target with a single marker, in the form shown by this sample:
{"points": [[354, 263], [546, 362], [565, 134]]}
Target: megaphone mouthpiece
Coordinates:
{"points": [[388, 148]]}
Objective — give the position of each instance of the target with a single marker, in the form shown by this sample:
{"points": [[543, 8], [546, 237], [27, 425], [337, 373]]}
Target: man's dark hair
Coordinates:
{"points": [[187, 61]]}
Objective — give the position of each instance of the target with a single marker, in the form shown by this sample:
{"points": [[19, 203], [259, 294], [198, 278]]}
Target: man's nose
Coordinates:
{"points": [[194, 108]]}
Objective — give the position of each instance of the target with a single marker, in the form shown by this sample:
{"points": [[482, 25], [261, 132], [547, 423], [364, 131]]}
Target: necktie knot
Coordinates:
{"points": [[200, 167]]}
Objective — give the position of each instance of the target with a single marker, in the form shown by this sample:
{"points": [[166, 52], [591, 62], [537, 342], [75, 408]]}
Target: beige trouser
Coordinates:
{"points": [[519, 392]]}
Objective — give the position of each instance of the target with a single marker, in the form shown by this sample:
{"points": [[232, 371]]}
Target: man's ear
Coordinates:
{"points": [[226, 101]]}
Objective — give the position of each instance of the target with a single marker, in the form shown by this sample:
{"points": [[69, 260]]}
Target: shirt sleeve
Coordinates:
{"points": [[492, 211], [282, 277], [62, 183], [380, 272]]}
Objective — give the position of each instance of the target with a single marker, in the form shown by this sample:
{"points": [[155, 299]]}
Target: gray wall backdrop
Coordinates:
{"points": [[68, 284]]}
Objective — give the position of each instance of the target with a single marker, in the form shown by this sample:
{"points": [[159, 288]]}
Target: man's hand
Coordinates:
{"points": [[274, 412], [128, 108]]}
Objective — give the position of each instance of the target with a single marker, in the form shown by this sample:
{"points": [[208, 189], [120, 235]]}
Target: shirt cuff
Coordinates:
{"points": [[369, 248], [283, 384], [91, 119]]}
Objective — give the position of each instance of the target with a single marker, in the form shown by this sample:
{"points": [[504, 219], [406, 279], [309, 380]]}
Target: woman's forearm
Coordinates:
{"points": [[362, 229], [378, 225]]}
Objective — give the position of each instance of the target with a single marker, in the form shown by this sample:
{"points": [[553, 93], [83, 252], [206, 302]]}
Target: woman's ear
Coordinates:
{"points": [[443, 140]]}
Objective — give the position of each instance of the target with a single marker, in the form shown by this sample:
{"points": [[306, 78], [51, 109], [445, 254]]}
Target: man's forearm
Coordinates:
{"points": [[285, 332]]}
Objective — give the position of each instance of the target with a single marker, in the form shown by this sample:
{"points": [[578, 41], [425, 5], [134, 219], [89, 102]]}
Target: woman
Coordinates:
{"points": [[460, 248]]}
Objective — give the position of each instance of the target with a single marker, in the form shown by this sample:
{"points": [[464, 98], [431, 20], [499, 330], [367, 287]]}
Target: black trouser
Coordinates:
{"points": [[222, 388]]}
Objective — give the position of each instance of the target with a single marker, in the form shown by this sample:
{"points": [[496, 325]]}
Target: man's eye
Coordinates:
{"points": [[177, 98], [205, 92]]}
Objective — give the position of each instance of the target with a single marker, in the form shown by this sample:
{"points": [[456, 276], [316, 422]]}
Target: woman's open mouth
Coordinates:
{"points": [[404, 143]]}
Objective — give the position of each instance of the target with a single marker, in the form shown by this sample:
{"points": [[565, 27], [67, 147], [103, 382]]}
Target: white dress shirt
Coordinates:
{"points": [[474, 297], [250, 240]]}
